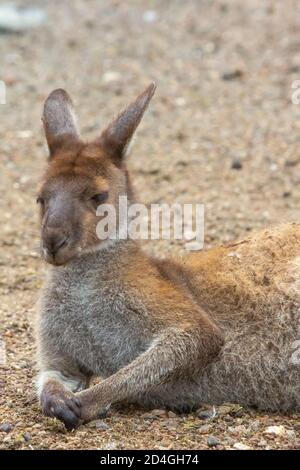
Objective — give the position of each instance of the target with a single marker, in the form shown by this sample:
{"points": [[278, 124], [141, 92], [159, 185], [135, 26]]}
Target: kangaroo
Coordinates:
{"points": [[218, 325]]}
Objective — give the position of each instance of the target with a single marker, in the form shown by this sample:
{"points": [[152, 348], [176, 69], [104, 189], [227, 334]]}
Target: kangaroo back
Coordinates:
{"points": [[251, 289], [251, 277]]}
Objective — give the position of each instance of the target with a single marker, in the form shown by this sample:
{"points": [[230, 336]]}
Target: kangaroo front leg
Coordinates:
{"points": [[55, 391], [174, 354]]}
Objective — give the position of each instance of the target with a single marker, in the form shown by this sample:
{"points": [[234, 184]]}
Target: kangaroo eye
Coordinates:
{"points": [[40, 200], [101, 197]]}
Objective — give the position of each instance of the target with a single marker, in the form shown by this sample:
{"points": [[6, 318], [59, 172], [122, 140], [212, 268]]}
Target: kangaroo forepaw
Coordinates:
{"points": [[64, 406]]}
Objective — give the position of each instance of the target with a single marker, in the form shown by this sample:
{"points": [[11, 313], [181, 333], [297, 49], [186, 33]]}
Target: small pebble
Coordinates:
{"points": [[236, 164], [241, 446], [101, 425], [207, 414], [111, 76], [274, 167], [150, 16], [290, 434], [228, 418], [291, 162], [27, 436], [180, 101], [235, 74], [229, 441], [240, 429], [154, 414], [159, 413], [6, 427], [275, 430], [111, 445], [204, 429], [213, 441]]}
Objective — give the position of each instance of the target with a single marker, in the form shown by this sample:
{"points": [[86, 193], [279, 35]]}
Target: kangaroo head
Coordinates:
{"points": [[80, 176]]}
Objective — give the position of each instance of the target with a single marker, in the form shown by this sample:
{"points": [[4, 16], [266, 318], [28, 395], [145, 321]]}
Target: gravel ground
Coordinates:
{"points": [[221, 130]]}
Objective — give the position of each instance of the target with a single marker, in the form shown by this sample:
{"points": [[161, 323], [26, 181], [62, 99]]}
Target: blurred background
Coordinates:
{"points": [[221, 130]]}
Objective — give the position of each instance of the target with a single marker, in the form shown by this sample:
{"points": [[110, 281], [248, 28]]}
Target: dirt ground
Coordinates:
{"points": [[221, 130]]}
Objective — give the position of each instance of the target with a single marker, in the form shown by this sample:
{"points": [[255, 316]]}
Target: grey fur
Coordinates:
{"points": [[90, 323]]}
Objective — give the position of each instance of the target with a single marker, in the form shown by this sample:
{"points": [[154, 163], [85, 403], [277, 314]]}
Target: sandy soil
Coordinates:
{"points": [[222, 130]]}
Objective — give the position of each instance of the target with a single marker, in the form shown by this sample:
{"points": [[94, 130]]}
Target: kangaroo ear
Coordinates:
{"points": [[59, 119], [116, 138]]}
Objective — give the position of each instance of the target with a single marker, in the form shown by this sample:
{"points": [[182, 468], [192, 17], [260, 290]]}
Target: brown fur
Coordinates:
{"points": [[214, 326]]}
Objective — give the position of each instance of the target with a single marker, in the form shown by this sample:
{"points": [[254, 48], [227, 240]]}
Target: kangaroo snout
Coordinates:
{"points": [[54, 241]]}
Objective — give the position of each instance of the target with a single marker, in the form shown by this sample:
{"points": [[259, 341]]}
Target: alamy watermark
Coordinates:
{"points": [[159, 221]]}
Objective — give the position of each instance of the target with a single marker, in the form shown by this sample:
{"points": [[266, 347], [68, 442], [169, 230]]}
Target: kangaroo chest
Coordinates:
{"points": [[94, 323]]}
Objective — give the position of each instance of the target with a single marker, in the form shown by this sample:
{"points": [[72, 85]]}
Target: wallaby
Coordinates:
{"points": [[214, 326]]}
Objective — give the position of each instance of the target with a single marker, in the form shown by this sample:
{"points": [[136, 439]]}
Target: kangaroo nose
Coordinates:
{"points": [[54, 241]]}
